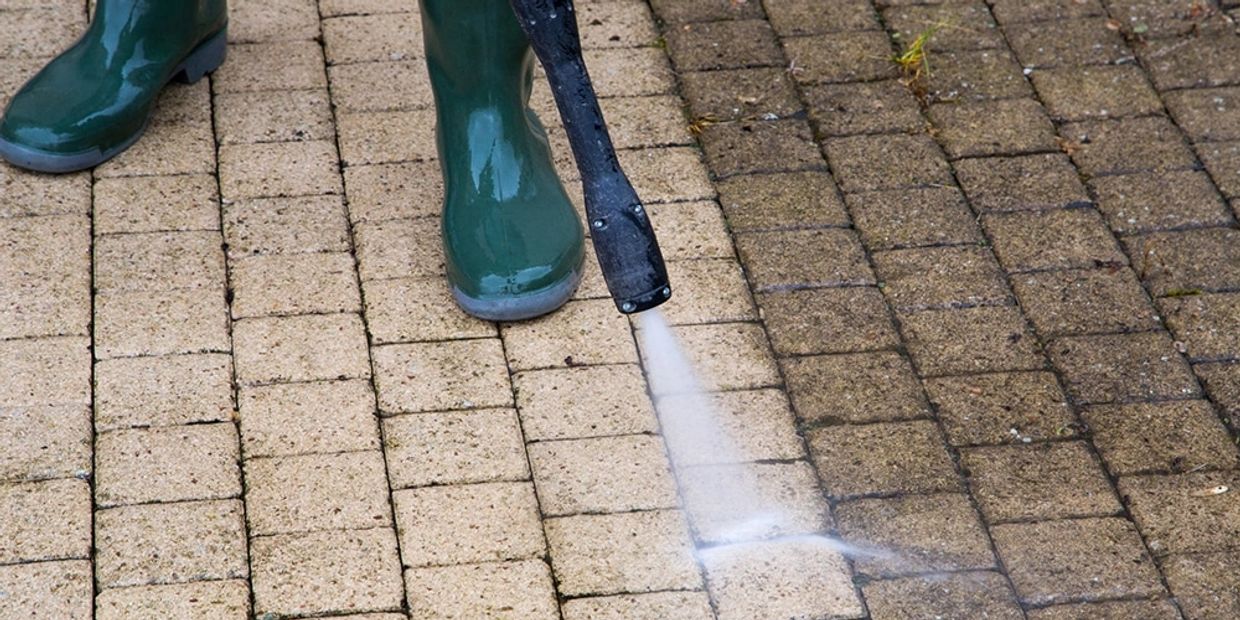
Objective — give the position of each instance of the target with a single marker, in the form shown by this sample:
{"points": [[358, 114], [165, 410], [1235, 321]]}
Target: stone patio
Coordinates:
{"points": [[988, 320]]}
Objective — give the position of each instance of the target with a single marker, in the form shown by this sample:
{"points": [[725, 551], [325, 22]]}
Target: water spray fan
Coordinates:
{"points": [[624, 241]]}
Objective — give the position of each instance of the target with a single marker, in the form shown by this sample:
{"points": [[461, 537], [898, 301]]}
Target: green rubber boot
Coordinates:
{"points": [[94, 100], [513, 245]]}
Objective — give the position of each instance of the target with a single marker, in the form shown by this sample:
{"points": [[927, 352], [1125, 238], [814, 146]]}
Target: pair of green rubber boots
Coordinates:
{"points": [[513, 245]]}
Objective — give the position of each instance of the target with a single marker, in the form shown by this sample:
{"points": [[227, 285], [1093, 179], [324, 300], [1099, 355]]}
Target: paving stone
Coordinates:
{"points": [[727, 356], [756, 425], [514, 589], [502, 520], [626, 72], [979, 339], [1028, 182], [863, 108], [1111, 610], [863, 163], [940, 277], [1001, 127], [606, 474], [691, 230], [1068, 42], [39, 32], [746, 147], [667, 174], [778, 260], [652, 606], [1192, 260], [740, 93], [1184, 513], [785, 199], [1058, 239], [896, 457], [383, 137], [286, 169], [1205, 324], [952, 26], [282, 65], [835, 320], [616, 24], [582, 332], [785, 579], [798, 17], [1206, 113], [316, 492], [393, 191], [1045, 481], [959, 595], [1057, 561], [280, 116], [1130, 206], [319, 572], [939, 532], [286, 226], [45, 442], [1127, 145], [436, 376], [1205, 586], [709, 291], [455, 447], [1096, 92], [730, 44], [167, 464], [49, 520], [45, 371], [293, 284], [380, 86], [162, 391], [1222, 161], [33, 194], [1222, 384], [171, 147], [913, 218], [1194, 62], [300, 348], [975, 75], [730, 503], [1085, 301], [1001, 408], [359, 38], [1122, 367], [303, 418], [158, 261], [629, 552], [839, 57], [647, 121], [170, 543], [225, 600], [859, 387], [398, 249], [61, 590], [299, 19], [587, 401], [156, 203], [1152, 437]]}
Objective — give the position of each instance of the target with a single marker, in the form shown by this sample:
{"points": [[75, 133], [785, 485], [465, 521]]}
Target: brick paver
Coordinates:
{"points": [[984, 319]]}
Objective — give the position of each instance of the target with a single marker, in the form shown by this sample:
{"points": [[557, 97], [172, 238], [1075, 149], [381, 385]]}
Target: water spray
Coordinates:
{"points": [[624, 241]]}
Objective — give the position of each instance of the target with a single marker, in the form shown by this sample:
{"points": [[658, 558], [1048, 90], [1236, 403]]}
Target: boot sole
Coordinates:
{"points": [[523, 307], [205, 58]]}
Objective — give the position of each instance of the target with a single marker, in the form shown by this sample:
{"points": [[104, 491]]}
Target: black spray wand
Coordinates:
{"points": [[624, 241]]}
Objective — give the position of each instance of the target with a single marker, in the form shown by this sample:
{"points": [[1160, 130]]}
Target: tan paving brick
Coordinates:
{"points": [[1046, 481], [1127, 145], [149, 204], [667, 174], [652, 606], [1181, 262], [455, 447], [916, 279], [47, 590], [437, 376], [293, 284], [1072, 238], [838, 57], [882, 458], [1204, 585], [973, 27], [253, 20], [779, 259], [1112, 610], [629, 552], [158, 261], [699, 46], [507, 589], [1222, 384], [860, 387], [320, 572], [383, 137], [746, 147], [863, 108], [359, 38], [1085, 301], [691, 230], [913, 218], [1002, 127], [45, 371], [1122, 367], [1204, 323], [717, 516], [399, 249], [1081, 93], [225, 600], [1057, 561], [831, 320], [708, 291], [783, 199], [976, 75], [755, 425], [981, 339], [1184, 513], [45, 442], [170, 543], [740, 93], [897, 161], [300, 348], [923, 533], [280, 116], [393, 191], [161, 323], [502, 520], [780, 579], [172, 146], [283, 65], [1172, 436], [302, 418], [167, 464], [589, 401], [1001, 408], [726, 356], [606, 474], [379, 86], [582, 332], [311, 492], [48, 520], [1140, 203], [947, 596], [286, 226], [418, 309], [1027, 182], [33, 194], [286, 169]]}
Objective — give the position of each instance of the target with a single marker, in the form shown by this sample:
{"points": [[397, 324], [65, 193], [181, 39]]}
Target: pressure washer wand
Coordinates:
{"points": [[624, 241]]}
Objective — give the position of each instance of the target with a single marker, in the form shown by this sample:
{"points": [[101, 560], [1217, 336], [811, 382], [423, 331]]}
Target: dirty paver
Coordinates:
{"points": [[985, 319]]}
